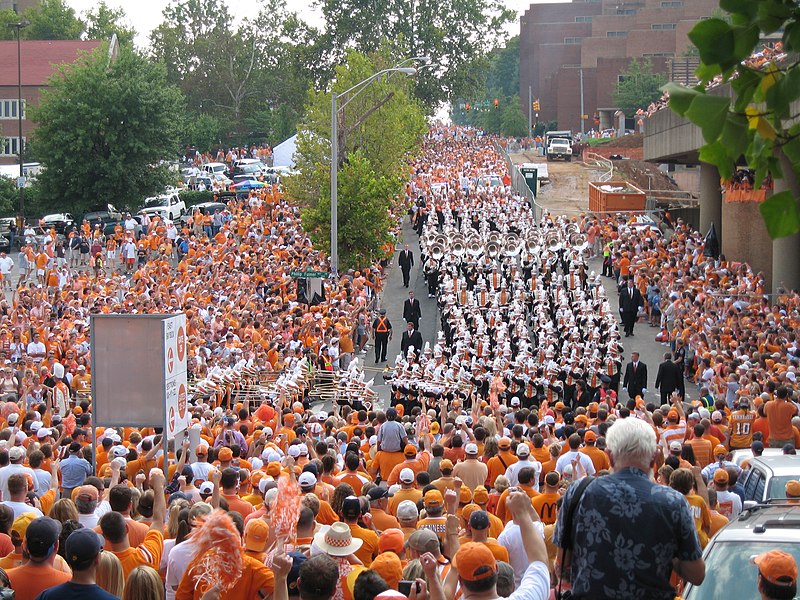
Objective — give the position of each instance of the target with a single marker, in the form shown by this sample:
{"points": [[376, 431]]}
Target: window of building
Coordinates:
{"points": [[617, 34], [671, 4], [659, 54], [8, 109], [583, 19], [626, 11], [573, 40], [10, 146], [620, 78], [663, 26]]}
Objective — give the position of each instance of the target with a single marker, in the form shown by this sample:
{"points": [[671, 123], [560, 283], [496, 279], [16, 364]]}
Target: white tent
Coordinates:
{"points": [[283, 153]]}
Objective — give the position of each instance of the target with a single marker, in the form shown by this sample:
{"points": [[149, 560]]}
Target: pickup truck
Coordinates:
{"points": [[559, 148]]}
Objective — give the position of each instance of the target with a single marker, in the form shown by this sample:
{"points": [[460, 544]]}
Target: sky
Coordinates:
{"points": [[145, 15]]}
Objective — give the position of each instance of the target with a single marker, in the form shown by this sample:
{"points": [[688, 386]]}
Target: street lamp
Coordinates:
{"points": [[335, 109], [19, 26]]}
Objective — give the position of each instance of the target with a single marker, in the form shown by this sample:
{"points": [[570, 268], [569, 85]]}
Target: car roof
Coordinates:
{"points": [[772, 522], [782, 464]]}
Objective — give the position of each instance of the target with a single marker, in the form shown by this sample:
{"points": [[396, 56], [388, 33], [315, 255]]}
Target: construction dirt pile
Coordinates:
{"points": [[643, 175]]}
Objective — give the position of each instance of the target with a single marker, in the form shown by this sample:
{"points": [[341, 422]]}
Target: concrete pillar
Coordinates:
{"points": [[785, 256], [710, 200]]}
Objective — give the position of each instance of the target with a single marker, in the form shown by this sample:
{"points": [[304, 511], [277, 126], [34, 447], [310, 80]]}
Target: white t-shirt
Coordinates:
{"points": [[565, 460], [20, 508]]}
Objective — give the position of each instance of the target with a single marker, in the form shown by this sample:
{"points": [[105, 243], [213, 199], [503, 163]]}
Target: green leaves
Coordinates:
{"points": [[715, 41], [781, 215], [709, 113], [639, 86]]}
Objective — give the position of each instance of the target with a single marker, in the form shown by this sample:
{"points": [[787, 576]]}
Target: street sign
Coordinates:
{"points": [[309, 274], [175, 383], [20, 182]]}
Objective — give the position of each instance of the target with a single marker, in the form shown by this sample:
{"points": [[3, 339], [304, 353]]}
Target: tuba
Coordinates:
{"points": [[492, 249], [437, 251], [513, 245], [578, 242], [475, 249]]}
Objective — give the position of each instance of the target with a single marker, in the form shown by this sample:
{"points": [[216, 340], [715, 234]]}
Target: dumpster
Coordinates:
{"points": [[615, 196]]}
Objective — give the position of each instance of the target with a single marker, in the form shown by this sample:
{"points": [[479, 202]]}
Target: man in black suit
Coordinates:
{"points": [[669, 378], [412, 313], [630, 299], [406, 261], [411, 337], [635, 376]]}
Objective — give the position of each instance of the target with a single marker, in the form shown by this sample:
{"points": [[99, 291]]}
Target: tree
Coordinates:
{"points": [[379, 130], [759, 123], [513, 122], [104, 129], [638, 86], [103, 21], [52, 20], [455, 34]]}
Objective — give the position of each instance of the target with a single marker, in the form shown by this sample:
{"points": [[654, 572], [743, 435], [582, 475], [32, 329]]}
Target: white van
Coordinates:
{"points": [[213, 168], [169, 206]]}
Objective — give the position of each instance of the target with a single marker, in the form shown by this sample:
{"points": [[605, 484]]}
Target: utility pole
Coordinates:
{"points": [[20, 146], [530, 112], [582, 113]]}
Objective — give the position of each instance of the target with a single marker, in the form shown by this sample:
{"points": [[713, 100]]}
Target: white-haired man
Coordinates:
{"points": [[628, 533]]}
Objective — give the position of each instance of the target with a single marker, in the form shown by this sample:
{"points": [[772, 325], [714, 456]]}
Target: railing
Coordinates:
{"points": [[590, 159], [518, 183]]}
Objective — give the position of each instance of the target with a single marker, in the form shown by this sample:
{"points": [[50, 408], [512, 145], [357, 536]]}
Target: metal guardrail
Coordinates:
{"points": [[590, 159]]}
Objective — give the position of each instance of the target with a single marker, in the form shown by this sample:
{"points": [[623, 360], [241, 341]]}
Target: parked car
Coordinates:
{"points": [[254, 169], [730, 572], [215, 167], [169, 205], [739, 456], [62, 222], [107, 216], [766, 479]]}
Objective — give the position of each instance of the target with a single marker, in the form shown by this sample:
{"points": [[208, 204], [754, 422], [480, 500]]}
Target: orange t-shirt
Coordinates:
{"points": [[29, 580], [148, 553], [779, 415]]}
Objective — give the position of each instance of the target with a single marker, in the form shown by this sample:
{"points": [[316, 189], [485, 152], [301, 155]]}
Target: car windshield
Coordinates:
{"points": [[151, 202], [251, 168], [729, 562], [777, 486]]}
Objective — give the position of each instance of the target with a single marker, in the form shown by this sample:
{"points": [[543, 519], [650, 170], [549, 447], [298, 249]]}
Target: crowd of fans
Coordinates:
{"points": [[461, 497]]}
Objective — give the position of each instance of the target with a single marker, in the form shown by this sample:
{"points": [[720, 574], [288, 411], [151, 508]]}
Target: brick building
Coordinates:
{"points": [[18, 6], [598, 38], [40, 60]]}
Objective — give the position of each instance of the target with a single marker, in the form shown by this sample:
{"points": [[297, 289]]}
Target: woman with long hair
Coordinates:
{"points": [[144, 583], [109, 574]]}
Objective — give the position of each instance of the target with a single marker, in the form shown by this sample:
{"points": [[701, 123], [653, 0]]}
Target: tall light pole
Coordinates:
{"points": [[336, 108], [20, 146]]}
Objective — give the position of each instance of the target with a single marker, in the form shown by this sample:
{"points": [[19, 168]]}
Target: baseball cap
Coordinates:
{"points": [[307, 480], [793, 488], [434, 498], [389, 567], [409, 450], [206, 487], [87, 492], [16, 453], [201, 450], [423, 540], [42, 432], [255, 535], [407, 510], [391, 540], [673, 415], [480, 495], [757, 446], [351, 507], [523, 450], [407, 475], [474, 562], [82, 547], [777, 567], [515, 401], [41, 536], [720, 449], [590, 436], [503, 443], [446, 465], [716, 417], [377, 493], [675, 446], [471, 449], [720, 476], [225, 454]]}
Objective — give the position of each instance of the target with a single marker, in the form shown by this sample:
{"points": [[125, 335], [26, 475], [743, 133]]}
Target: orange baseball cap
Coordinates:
{"points": [[720, 449], [673, 415], [410, 450], [225, 454], [201, 450], [465, 495], [793, 489], [475, 562], [446, 465], [720, 476], [389, 567], [777, 567], [590, 436], [434, 498], [88, 492], [255, 535], [288, 418], [480, 495], [560, 405], [504, 443], [392, 540], [274, 469]]}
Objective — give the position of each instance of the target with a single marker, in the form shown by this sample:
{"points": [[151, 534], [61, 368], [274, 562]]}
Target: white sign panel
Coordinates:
{"points": [[175, 388]]}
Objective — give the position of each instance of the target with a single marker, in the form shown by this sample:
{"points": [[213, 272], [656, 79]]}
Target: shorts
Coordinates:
{"points": [[40, 272], [111, 254], [129, 261]]}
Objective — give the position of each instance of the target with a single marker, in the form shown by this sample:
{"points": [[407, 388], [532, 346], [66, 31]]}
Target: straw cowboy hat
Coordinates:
{"points": [[337, 540]]}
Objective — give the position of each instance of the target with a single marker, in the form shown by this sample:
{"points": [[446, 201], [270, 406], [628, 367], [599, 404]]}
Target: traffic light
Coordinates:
{"points": [[536, 105], [496, 103]]}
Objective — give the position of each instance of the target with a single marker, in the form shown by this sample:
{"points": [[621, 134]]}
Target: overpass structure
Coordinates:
{"points": [[670, 138]]}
